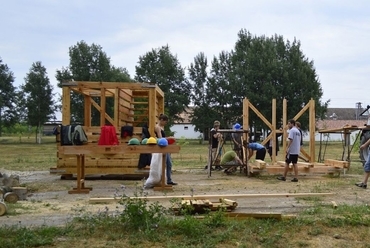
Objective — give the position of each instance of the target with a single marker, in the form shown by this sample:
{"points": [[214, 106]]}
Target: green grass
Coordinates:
{"points": [[144, 225]]}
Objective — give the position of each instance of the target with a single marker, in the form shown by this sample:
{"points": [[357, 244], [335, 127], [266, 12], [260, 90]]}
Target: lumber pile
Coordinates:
{"points": [[336, 163], [204, 205]]}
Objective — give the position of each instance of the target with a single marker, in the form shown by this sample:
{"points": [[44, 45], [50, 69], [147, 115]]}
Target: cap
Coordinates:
{"points": [[237, 126]]}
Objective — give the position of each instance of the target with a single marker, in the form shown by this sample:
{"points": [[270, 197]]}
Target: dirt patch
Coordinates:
{"points": [[48, 201]]}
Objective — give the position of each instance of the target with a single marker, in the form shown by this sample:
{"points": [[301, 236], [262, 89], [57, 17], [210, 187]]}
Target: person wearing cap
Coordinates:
{"points": [[237, 139], [214, 139], [159, 132]]}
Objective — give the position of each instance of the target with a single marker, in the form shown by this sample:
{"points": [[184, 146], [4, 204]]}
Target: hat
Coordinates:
{"points": [[171, 140], [151, 141], [134, 141], [162, 142], [237, 126], [143, 142], [216, 123]]}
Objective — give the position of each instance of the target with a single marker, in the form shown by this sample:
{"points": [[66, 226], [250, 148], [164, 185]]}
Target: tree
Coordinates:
{"points": [[8, 115], [266, 68], [89, 63], [161, 67], [203, 115], [38, 95], [220, 94]]}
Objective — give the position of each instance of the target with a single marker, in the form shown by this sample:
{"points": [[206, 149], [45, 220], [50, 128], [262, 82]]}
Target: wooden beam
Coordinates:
{"points": [[66, 106], [258, 113], [123, 148], [233, 196], [103, 107], [96, 105], [87, 111]]}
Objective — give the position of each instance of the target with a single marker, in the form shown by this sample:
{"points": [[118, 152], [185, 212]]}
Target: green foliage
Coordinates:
{"points": [[139, 214], [38, 96], [161, 67], [8, 115], [89, 63]]}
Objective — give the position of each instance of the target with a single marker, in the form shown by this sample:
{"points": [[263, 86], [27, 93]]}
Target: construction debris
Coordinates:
{"points": [[204, 205]]}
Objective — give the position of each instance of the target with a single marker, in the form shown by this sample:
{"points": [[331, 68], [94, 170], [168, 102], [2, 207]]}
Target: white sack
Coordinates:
{"points": [[155, 171]]}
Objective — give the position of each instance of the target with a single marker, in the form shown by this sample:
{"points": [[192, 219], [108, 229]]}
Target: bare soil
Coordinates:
{"points": [[48, 201]]}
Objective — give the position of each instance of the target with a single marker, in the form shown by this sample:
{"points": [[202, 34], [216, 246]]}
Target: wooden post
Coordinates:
{"points": [[66, 106], [102, 106], [312, 131], [285, 122], [116, 108], [163, 185], [87, 111], [274, 145], [152, 111], [80, 189]]}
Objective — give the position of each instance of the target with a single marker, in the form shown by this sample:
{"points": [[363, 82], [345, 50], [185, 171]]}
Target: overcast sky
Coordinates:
{"points": [[334, 34]]}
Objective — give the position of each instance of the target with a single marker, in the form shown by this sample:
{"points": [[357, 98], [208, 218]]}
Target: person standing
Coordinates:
{"points": [[292, 152], [214, 141], [270, 144], [363, 184], [159, 131], [237, 140]]}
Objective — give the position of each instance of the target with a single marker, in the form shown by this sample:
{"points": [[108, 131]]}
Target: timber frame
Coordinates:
{"points": [[329, 165], [134, 105]]}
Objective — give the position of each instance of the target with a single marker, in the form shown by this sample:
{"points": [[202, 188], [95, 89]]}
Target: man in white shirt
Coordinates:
{"points": [[293, 150]]}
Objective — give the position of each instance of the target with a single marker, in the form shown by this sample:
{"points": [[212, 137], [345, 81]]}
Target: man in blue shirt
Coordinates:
{"points": [[260, 150]]}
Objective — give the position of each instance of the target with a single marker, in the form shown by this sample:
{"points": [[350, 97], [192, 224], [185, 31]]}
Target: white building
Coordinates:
{"points": [[185, 129]]}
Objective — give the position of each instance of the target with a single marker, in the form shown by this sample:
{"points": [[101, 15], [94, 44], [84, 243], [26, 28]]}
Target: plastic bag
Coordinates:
{"points": [[155, 172]]}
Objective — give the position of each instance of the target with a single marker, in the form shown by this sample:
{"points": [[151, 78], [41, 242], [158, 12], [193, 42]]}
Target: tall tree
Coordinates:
{"points": [[161, 67], [271, 68], [203, 114], [38, 95], [89, 63], [8, 115], [220, 90]]}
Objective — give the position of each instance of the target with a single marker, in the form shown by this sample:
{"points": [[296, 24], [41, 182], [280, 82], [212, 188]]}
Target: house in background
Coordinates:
{"points": [[185, 129], [339, 117]]}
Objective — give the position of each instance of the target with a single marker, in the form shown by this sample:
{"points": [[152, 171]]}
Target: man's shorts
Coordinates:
{"points": [[367, 164], [291, 158]]}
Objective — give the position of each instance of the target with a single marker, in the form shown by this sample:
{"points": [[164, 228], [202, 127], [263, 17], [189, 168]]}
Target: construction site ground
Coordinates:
{"points": [[49, 203]]}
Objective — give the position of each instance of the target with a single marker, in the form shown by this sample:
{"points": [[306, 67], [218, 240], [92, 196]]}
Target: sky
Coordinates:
{"points": [[334, 34]]}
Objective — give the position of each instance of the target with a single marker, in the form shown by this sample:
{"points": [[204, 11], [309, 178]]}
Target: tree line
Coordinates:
{"points": [[259, 68]]}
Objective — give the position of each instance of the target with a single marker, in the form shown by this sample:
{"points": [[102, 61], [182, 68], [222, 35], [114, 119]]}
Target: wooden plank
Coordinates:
{"points": [[260, 164], [111, 85], [317, 169], [66, 106], [233, 196], [306, 165], [122, 148], [336, 163]]}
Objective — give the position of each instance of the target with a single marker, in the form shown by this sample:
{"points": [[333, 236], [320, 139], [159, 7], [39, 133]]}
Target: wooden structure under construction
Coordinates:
{"points": [[134, 105], [277, 167]]}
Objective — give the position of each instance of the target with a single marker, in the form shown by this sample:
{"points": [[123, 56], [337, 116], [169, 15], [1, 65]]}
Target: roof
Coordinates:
{"points": [[338, 124], [186, 116]]}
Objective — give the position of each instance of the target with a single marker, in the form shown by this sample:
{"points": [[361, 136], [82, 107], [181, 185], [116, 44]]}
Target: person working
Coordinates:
{"points": [[293, 149], [260, 150], [159, 131], [363, 184], [237, 140], [230, 158], [270, 144], [214, 140]]}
